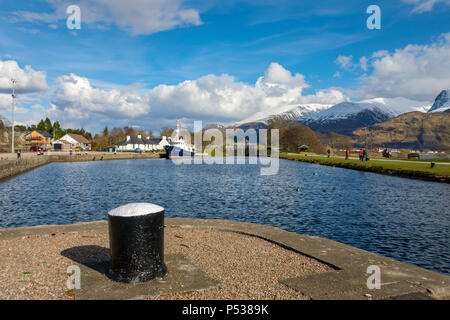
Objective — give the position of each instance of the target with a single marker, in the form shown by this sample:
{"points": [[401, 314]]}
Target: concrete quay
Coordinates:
{"points": [[208, 259]]}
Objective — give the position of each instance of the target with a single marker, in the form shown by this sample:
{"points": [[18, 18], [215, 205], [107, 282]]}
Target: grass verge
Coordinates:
{"points": [[440, 172]]}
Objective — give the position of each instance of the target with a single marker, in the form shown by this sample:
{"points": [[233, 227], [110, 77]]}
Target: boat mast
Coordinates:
{"points": [[177, 134]]}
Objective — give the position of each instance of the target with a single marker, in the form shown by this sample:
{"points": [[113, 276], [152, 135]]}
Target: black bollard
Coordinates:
{"points": [[136, 237]]}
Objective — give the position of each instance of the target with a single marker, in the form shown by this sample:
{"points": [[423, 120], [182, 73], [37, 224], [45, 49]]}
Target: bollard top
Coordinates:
{"points": [[135, 209]]}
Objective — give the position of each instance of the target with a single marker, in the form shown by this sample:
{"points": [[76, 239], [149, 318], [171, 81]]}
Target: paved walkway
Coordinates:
{"points": [[34, 155], [328, 269], [377, 159]]}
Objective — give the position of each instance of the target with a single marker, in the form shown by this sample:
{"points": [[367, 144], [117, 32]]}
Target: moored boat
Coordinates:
{"points": [[178, 148]]}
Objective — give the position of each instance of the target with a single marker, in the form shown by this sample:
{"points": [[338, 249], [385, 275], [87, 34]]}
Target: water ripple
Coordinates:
{"points": [[402, 218]]}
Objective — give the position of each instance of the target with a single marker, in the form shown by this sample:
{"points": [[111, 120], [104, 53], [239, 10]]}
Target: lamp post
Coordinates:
{"points": [[13, 81]]}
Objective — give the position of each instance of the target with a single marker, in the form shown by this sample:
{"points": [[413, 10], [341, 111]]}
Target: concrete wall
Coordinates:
{"points": [[10, 168]]}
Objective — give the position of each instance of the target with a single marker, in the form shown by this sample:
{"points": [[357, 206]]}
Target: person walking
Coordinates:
{"points": [[347, 153], [361, 154], [328, 151], [364, 155]]}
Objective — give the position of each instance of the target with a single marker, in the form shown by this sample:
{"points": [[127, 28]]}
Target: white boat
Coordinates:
{"points": [[178, 148]]}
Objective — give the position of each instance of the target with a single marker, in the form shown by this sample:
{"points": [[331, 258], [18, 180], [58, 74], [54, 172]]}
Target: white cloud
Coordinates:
{"points": [[337, 74], [326, 96], [421, 6], [134, 16], [276, 74], [75, 98], [5, 103], [29, 81], [28, 30], [363, 63], [222, 98], [209, 98], [416, 72], [345, 62]]}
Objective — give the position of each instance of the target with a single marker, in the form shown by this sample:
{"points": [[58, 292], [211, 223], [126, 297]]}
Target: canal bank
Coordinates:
{"points": [[10, 168], [441, 173], [423, 171], [250, 261]]}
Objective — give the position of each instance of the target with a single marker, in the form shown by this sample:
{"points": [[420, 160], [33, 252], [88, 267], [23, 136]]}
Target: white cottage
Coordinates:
{"points": [[144, 144], [76, 141]]}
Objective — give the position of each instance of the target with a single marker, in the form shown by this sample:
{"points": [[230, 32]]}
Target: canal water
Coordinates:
{"points": [[405, 219]]}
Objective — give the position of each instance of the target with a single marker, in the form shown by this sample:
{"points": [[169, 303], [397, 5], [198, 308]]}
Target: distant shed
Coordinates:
{"points": [[61, 145], [303, 148]]}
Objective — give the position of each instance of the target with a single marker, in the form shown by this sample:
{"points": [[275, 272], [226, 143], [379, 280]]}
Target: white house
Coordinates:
{"points": [[144, 144], [76, 140]]}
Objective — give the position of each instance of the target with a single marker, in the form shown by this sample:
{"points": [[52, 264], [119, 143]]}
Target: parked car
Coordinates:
{"points": [[35, 148], [78, 149], [137, 150]]}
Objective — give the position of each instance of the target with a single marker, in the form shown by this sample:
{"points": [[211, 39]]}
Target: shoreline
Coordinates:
{"points": [[12, 168], [369, 166], [342, 269]]}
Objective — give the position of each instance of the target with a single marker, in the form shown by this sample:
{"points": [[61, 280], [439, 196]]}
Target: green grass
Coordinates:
{"points": [[424, 160], [414, 170]]}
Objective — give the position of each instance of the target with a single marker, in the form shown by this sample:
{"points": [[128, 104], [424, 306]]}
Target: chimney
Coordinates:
{"points": [[128, 138]]}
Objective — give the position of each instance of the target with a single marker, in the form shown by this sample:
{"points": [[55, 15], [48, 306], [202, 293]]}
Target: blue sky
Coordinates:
{"points": [[127, 50]]}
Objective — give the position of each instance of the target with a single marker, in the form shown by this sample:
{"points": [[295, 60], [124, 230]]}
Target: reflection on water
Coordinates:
{"points": [[402, 218]]}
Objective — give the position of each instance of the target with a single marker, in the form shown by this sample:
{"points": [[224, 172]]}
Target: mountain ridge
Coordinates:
{"points": [[412, 130], [343, 117], [442, 102]]}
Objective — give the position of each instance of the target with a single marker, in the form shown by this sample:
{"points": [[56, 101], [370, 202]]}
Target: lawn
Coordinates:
{"points": [[440, 172]]}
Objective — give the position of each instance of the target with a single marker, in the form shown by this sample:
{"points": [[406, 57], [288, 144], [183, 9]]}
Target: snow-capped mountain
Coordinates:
{"points": [[442, 102], [288, 112], [347, 116], [342, 117], [388, 107]]}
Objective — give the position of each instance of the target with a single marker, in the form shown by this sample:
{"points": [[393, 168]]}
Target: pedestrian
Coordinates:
{"points": [[328, 151], [18, 154], [361, 154], [364, 155], [347, 153]]}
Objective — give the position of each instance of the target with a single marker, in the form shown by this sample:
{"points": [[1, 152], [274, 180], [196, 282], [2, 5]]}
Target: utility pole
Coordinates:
{"points": [[13, 81]]}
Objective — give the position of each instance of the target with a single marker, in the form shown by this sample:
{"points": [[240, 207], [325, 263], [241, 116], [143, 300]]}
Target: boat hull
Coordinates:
{"points": [[173, 152]]}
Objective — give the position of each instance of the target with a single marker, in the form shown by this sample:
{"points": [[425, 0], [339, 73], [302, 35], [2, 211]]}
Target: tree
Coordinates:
{"points": [[293, 135], [276, 122], [106, 132], [81, 132], [117, 135], [142, 133], [41, 126], [335, 140], [48, 126], [129, 131], [166, 131], [58, 132], [100, 142]]}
